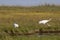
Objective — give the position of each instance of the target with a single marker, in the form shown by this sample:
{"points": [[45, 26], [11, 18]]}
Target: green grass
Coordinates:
{"points": [[28, 21]]}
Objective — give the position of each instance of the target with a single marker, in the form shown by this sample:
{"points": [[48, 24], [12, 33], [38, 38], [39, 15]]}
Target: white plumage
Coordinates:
{"points": [[44, 21], [16, 25]]}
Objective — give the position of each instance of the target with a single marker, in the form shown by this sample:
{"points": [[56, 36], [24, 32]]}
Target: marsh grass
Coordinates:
{"points": [[28, 21]]}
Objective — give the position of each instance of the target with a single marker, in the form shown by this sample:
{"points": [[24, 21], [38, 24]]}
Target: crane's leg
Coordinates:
{"points": [[48, 24]]}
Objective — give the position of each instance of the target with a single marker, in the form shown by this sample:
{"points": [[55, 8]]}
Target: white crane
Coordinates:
{"points": [[16, 25], [44, 22]]}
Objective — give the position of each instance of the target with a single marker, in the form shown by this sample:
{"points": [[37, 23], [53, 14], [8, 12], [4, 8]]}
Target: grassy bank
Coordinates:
{"points": [[28, 19]]}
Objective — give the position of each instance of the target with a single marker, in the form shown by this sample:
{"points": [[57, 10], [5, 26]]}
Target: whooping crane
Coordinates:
{"points": [[16, 25], [44, 22]]}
